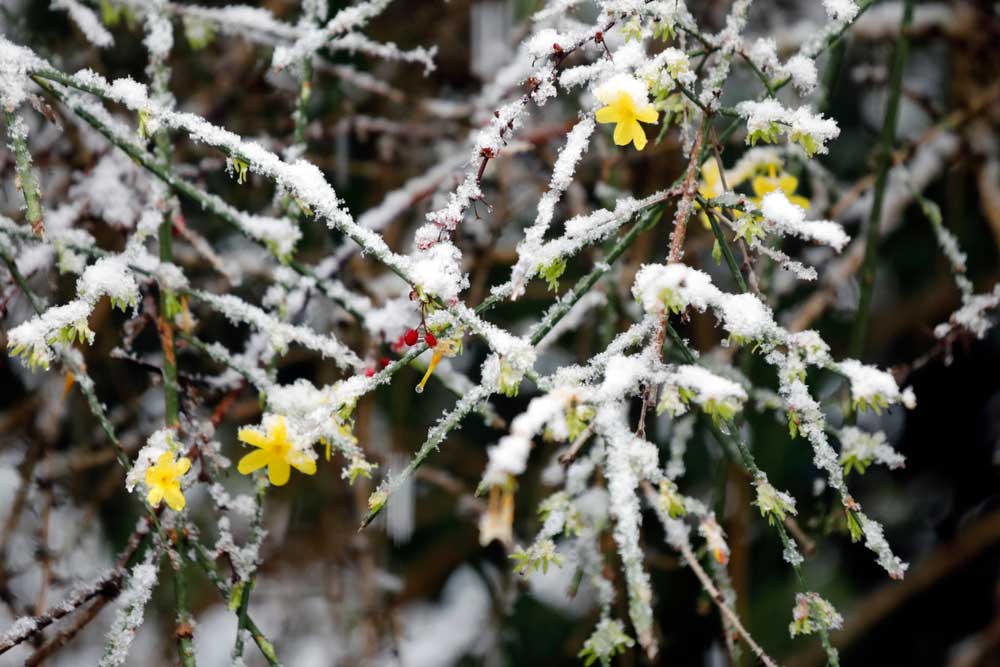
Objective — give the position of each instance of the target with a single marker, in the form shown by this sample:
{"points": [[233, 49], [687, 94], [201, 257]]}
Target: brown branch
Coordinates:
{"points": [[108, 586], [706, 582], [688, 190], [67, 634], [570, 455]]}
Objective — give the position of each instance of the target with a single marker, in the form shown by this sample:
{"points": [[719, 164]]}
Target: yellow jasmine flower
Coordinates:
{"points": [[274, 451], [626, 115], [711, 179], [164, 481], [787, 183], [711, 185]]}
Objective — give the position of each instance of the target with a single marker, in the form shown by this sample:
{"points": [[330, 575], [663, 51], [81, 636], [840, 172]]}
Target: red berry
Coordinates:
{"points": [[410, 337], [369, 372], [430, 339], [385, 361]]}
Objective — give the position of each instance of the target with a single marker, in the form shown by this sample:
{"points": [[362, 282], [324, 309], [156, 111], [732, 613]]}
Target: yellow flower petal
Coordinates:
{"points": [[301, 462], [608, 114], [638, 135], [710, 173], [155, 496], [788, 183], [183, 465], [174, 497], [278, 472], [763, 185], [799, 200], [279, 432], [252, 436], [647, 114], [623, 134], [255, 460]]}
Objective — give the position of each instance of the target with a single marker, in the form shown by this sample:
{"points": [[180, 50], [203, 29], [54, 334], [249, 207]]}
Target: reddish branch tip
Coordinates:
{"points": [[430, 339], [410, 337], [384, 361], [369, 372]]}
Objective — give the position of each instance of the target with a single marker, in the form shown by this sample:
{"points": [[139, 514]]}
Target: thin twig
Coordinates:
{"points": [[869, 265], [688, 191], [684, 546]]}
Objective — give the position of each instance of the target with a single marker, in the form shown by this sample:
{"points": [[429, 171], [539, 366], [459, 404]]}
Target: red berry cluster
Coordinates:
{"points": [[412, 336]]}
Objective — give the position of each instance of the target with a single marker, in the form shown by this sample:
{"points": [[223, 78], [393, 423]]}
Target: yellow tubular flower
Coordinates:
{"points": [[711, 185], [787, 183], [627, 117], [164, 481], [275, 452], [435, 360], [448, 347]]}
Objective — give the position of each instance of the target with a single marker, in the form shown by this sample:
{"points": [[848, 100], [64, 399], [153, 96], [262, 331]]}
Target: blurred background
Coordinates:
{"points": [[417, 588]]}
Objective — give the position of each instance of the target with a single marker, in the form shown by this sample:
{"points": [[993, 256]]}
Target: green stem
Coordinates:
{"points": [[727, 252], [832, 75], [28, 182], [8, 259], [170, 386], [558, 310], [760, 75], [551, 318], [869, 266], [301, 104], [736, 446], [204, 559], [97, 408], [171, 394], [242, 613], [185, 622]]}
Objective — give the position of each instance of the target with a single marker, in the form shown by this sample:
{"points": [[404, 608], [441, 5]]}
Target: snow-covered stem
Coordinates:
{"points": [[647, 220], [480, 393], [609, 465], [159, 43], [677, 537], [246, 587], [204, 558], [869, 266], [688, 191], [300, 179], [184, 630], [97, 408], [27, 181], [105, 587], [736, 446], [435, 437], [727, 252]]}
